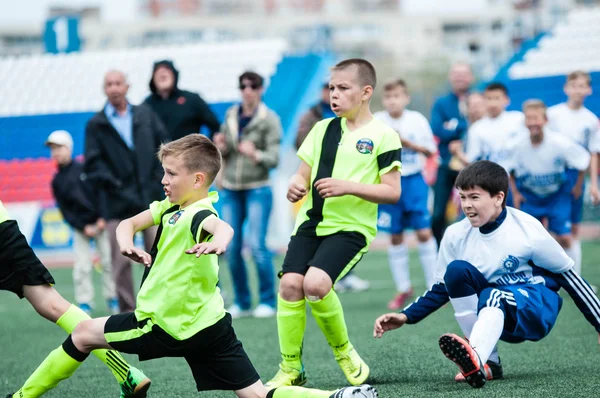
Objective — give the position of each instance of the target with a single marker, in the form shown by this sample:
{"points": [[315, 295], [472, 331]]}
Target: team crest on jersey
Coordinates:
{"points": [[175, 217], [558, 162], [365, 146], [510, 263]]}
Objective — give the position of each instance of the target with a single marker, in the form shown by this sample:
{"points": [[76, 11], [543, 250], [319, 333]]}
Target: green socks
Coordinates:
{"points": [[329, 314], [291, 324], [115, 362], [58, 365]]}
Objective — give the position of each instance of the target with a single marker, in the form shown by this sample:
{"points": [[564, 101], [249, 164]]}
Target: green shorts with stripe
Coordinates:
{"points": [[215, 355], [335, 254]]}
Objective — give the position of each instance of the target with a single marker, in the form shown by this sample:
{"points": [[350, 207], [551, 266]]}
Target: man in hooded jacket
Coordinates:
{"points": [[182, 112]]}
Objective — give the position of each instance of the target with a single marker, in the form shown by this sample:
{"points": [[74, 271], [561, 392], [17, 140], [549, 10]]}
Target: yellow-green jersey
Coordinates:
{"points": [[3, 213], [361, 156], [179, 291]]}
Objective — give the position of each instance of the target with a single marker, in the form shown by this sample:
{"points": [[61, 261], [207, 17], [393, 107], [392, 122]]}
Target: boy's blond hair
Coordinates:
{"points": [[365, 70], [393, 84], [535, 104], [580, 74], [197, 152]]}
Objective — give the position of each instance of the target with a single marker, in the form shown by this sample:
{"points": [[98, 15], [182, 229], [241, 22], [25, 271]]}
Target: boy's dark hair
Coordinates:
{"points": [[366, 71], [489, 176], [393, 84], [579, 73], [254, 78], [197, 152], [493, 86]]}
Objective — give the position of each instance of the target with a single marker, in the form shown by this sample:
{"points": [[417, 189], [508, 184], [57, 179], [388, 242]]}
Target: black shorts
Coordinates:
{"points": [[335, 254], [215, 355], [19, 266]]}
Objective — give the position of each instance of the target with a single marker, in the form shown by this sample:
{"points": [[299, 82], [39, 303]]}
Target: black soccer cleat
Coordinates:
{"points": [[464, 356]]}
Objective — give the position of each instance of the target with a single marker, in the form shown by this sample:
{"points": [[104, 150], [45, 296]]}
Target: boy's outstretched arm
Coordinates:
{"points": [[427, 304], [125, 232], [387, 191], [222, 234]]}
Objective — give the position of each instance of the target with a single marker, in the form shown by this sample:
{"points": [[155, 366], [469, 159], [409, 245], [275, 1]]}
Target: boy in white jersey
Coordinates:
{"points": [[594, 191], [494, 136], [501, 271], [575, 121], [411, 210], [539, 179]]}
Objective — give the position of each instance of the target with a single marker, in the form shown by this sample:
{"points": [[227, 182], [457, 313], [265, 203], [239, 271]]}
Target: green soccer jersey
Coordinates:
{"points": [[362, 156], [3, 213], [179, 292]]}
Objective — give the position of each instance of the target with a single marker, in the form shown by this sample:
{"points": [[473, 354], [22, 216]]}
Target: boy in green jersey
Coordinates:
{"points": [[349, 164], [179, 312]]}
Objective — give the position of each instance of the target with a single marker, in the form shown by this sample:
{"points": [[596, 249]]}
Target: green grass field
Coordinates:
{"points": [[405, 363]]}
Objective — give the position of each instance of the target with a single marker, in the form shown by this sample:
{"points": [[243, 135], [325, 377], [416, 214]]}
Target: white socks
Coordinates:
{"points": [[398, 258], [487, 331], [428, 257], [465, 312]]}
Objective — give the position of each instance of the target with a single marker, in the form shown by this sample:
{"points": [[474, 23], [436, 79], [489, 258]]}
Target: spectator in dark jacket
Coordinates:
{"points": [[83, 209], [449, 125], [182, 112], [121, 141], [315, 114]]}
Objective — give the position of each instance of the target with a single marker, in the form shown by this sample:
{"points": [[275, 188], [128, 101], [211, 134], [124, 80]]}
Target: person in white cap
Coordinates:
{"points": [[83, 208]]}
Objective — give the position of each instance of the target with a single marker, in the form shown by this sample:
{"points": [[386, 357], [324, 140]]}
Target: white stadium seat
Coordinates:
{"points": [[63, 83]]}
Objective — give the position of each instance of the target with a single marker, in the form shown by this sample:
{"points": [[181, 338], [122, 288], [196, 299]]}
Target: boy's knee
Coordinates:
{"points": [[397, 239], [80, 334], [291, 287], [423, 235], [316, 288], [565, 241], [456, 272]]}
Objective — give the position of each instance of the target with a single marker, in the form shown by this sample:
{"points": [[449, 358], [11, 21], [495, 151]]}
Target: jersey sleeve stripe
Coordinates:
{"points": [[386, 159], [197, 222], [585, 293]]}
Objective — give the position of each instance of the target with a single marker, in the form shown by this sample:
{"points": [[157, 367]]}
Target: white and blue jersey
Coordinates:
{"points": [[581, 126], [541, 176], [495, 139], [411, 210], [514, 264]]}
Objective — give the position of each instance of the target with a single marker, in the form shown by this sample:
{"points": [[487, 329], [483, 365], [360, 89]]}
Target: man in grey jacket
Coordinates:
{"points": [[249, 141]]}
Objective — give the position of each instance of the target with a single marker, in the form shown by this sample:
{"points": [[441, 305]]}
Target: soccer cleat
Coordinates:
{"points": [[9, 396], [264, 311], [287, 376], [493, 371], [465, 357], [355, 369], [364, 391], [136, 385], [400, 300]]}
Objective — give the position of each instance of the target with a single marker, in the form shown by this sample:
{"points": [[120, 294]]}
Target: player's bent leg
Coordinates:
{"points": [[52, 306], [47, 302], [291, 325], [329, 314]]}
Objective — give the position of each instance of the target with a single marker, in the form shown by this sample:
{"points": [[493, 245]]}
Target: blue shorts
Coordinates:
{"points": [[576, 204], [557, 211], [530, 310], [411, 210]]}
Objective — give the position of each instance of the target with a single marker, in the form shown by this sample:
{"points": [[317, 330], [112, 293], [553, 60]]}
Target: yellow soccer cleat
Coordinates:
{"points": [[287, 376], [355, 369]]}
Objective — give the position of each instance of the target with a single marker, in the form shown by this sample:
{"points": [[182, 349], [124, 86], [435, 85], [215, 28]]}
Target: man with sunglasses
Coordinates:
{"points": [[182, 112], [249, 142]]}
